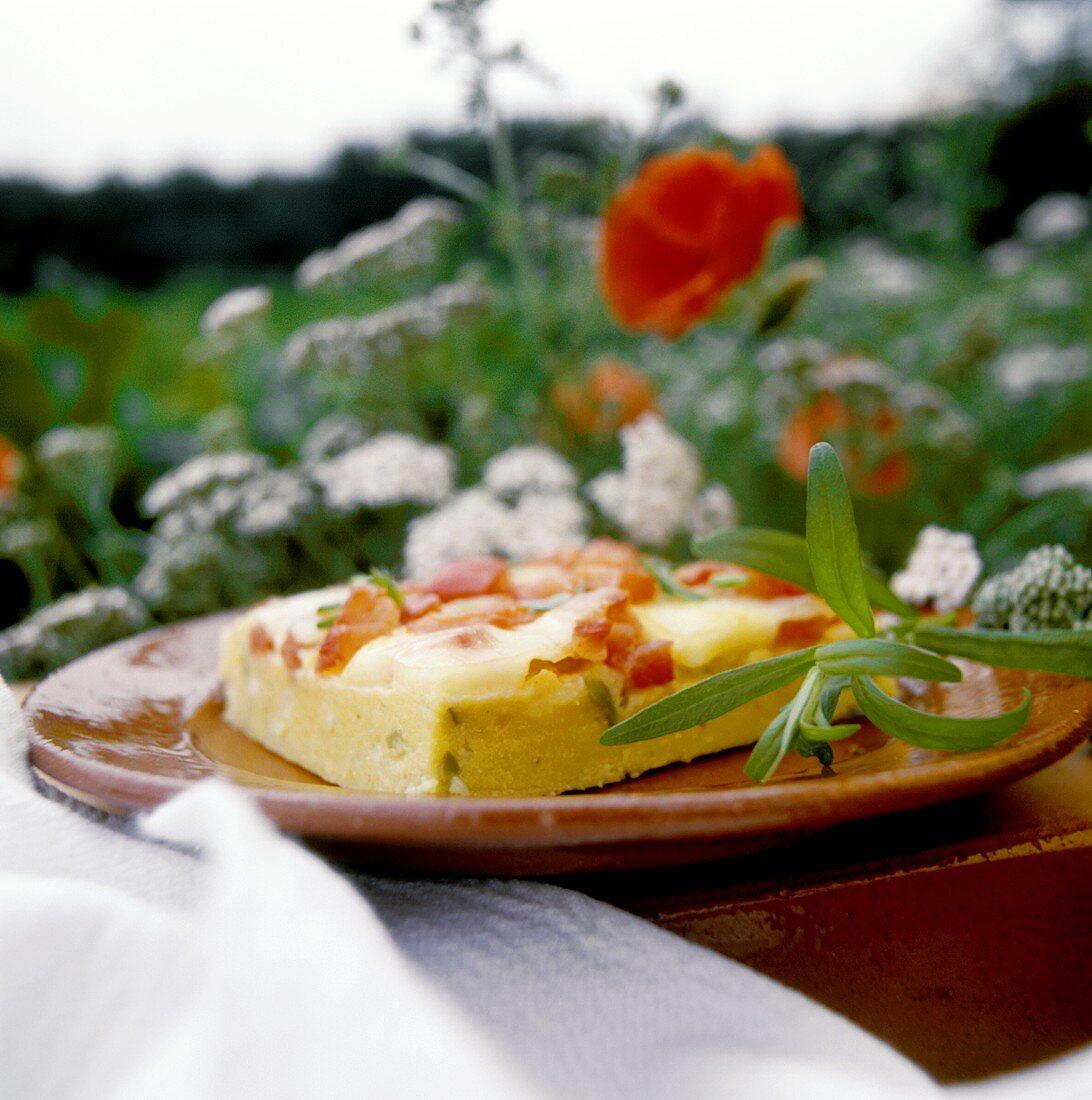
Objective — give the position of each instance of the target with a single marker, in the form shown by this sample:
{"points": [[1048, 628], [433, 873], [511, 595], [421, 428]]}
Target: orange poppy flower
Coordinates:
{"points": [[686, 229], [9, 468], [615, 394], [829, 415]]}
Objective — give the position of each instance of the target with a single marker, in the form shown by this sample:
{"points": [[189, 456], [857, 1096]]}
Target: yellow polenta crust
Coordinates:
{"points": [[415, 714]]}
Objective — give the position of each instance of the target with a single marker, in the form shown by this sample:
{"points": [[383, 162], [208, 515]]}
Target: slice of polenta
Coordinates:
{"points": [[499, 704]]}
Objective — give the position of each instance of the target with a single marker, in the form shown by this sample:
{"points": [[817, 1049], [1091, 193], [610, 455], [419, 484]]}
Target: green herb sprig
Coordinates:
{"points": [[828, 562]]}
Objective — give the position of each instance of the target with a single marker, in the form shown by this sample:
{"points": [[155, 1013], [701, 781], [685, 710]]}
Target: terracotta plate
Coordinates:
{"points": [[128, 726]]}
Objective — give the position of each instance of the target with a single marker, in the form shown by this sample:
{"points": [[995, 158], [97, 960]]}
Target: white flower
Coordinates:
{"points": [[272, 503], [235, 309], [470, 524], [1048, 292], [198, 476], [787, 354], [356, 344], [1054, 218], [409, 242], [844, 371], [942, 569], [655, 492], [880, 273], [714, 510], [541, 522], [1007, 257], [392, 468], [1022, 372], [533, 467], [1074, 472]]}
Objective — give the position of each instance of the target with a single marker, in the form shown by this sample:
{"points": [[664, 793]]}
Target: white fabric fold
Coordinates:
{"points": [[132, 967]]}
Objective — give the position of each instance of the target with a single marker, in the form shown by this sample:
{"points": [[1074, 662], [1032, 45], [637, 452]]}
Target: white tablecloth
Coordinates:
{"points": [[200, 954]]}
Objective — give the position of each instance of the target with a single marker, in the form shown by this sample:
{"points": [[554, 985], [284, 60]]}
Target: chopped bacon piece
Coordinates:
{"points": [[260, 639], [623, 638], [368, 613], [540, 580], [637, 583], [501, 611], [801, 633], [469, 577], [696, 573], [604, 551], [290, 652], [649, 664], [416, 604]]}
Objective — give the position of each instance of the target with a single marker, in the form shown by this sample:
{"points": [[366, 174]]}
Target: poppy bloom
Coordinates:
{"points": [[829, 416], [614, 395], [686, 229], [9, 468]]}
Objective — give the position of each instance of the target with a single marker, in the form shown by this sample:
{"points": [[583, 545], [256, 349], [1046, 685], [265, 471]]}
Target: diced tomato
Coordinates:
{"points": [[801, 633], [698, 572], [650, 664], [500, 611], [469, 577], [290, 653], [368, 613], [260, 639], [761, 586], [416, 604]]}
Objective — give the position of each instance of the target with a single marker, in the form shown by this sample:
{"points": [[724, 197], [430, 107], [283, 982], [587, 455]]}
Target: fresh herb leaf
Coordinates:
{"points": [[1065, 651], [385, 581], [326, 623], [824, 731], [937, 731], [833, 686], [602, 697], [880, 657], [767, 753], [667, 580], [833, 548], [785, 556], [710, 698], [330, 608], [764, 759]]}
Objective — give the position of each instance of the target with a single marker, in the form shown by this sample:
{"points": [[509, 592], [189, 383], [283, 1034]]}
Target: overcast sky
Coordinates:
{"points": [[142, 86]]}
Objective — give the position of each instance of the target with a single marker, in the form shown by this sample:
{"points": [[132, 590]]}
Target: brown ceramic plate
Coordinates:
{"points": [[130, 725]]}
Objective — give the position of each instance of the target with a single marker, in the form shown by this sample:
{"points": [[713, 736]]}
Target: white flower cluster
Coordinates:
{"points": [[476, 522], [235, 310], [657, 491], [409, 242], [1023, 372], [1054, 219], [198, 476], [523, 468], [1008, 257], [880, 273], [1074, 472], [391, 468], [354, 345], [942, 569]]}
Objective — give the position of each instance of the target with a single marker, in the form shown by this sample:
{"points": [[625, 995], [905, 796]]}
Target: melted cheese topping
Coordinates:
{"points": [[704, 631], [483, 658]]}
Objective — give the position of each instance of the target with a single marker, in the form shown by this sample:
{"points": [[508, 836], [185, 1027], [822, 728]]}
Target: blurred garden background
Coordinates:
{"points": [[217, 387]]}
